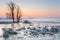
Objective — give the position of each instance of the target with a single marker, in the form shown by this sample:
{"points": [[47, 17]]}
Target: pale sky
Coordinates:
{"points": [[34, 8]]}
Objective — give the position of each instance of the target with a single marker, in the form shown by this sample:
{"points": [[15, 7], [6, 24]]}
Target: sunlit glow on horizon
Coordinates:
{"points": [[34, 8]]}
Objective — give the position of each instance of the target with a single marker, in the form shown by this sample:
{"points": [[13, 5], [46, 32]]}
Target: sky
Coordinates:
{"points": [[33, 8]]}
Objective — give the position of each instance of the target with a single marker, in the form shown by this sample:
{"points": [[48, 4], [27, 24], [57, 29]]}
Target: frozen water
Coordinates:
{"points": [[23, 34]]}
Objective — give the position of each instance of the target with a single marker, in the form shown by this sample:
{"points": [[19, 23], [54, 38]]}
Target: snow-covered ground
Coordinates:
{"points": [[24, 31]]}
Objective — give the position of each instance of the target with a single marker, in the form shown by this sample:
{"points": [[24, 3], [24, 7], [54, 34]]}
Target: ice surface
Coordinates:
{"points": [[23, 33]]}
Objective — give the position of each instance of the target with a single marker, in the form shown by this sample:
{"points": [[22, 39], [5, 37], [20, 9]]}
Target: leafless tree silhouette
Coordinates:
{"points": [[18, 14], [11, 6], [8, 15]]}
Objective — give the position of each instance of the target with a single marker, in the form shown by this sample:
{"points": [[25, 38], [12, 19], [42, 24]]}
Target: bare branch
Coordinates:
{"points": [[12, 6]]}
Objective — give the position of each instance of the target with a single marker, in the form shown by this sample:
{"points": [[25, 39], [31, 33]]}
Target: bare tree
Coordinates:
{"points": [[8, 15], [11, 6], [18, 14]]}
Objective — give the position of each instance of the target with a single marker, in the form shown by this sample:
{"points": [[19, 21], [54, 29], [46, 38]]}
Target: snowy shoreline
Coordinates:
{"points": [[23, 29]]}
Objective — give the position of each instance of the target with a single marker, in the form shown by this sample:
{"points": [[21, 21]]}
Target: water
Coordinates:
{"points": [[41, 37], [37, 19], [47, 20]]}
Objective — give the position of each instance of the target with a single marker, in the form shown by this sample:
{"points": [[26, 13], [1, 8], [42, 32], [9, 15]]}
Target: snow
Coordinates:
{"points": [[21, 35]]}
